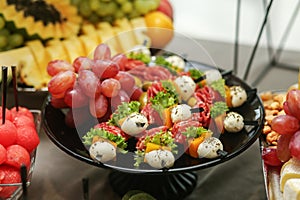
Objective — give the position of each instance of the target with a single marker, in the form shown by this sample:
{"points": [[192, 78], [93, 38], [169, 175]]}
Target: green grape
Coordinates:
{"points": [[94, 18], [134, 14], [85, 9], [127, 7], [107, 8], [2, 22], [142, 6], [75, 2], [119, 14], [4, 32], [15, 40], [121, 1], [3, 41], [94, 5]]}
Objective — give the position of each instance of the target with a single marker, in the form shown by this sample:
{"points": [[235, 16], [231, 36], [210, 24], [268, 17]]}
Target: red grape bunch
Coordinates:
{"points": [[92, 86], [288, 126]]}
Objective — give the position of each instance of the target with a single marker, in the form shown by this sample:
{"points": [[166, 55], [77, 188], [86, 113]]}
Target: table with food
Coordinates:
{"points": [[103, 100]]}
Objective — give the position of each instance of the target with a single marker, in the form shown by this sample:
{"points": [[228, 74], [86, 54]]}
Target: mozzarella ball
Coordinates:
{"points": [[212, 75], [140, 49], [233, 122], [134, 124], [180, 113], [102, 151], [209, 148], [185, 86], [160, 159], [238, 96], [176, 61]]}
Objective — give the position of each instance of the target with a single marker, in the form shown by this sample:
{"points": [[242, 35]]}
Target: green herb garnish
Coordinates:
{"points": [[139, 56], [161, 61], [219, 85], [196, 73], [194, 132], [123, 111], [119, 140], [218, 108]]}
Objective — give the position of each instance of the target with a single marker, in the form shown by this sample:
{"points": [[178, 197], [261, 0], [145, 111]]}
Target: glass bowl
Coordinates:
{"points": [[18, 186]]}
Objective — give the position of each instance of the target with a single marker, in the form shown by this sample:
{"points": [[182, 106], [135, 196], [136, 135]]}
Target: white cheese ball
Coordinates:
{"points": [[233, 122], [134, 124], [209, 148], [212, 75], [102, 151], [238, 96], [160, 158], [185, 86], [176, 61], [180, 113]]}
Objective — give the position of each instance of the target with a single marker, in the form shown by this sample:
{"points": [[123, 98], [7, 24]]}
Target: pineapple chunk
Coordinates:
{"points": [[140, 30], [89, 44], [125, 34], [26, 65], [41, 57], [73, 47], [56, 50]]}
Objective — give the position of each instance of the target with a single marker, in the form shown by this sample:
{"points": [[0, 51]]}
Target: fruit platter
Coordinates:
{"points": [[144, 114], [280, 143]]}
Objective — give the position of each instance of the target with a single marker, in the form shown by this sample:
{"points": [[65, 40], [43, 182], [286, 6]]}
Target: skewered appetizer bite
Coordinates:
{"points": [[104, 141], [156, 148]]}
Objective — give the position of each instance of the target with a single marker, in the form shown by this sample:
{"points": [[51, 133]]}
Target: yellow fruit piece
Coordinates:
{"points": [[151, 147], [292, 189], [56, 50], [125, 34], [26, 65], [89, 44], [41, 57], [73, 47], [289, 170], [160, 28], [140, 31], [106, 33]]}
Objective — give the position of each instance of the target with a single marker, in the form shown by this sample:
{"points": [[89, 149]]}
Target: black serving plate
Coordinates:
{"points": [[69, 139]]}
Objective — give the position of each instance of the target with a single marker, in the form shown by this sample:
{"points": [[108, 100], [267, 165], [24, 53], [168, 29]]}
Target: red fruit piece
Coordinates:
{"points": [[21, 111], [105, 69], [60, 83], [110, 87], [56, 66], [294, 145], [285, 124], [269, 156], [8, 133], [23, 120], [8, 175], [81, 63], [293, 99], [102, 52], [98, 106], [8, 114], [2, 154], [126, 80], [17, 156], [28, 138], [75, 97]]}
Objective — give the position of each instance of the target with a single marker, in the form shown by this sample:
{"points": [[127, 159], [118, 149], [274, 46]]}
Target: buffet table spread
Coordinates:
{"points": [[59, 176]]}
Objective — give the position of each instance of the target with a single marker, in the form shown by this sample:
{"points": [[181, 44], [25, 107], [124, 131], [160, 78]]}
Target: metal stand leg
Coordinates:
{"points": [[275, 57], [257, 41], [236, 45]]}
